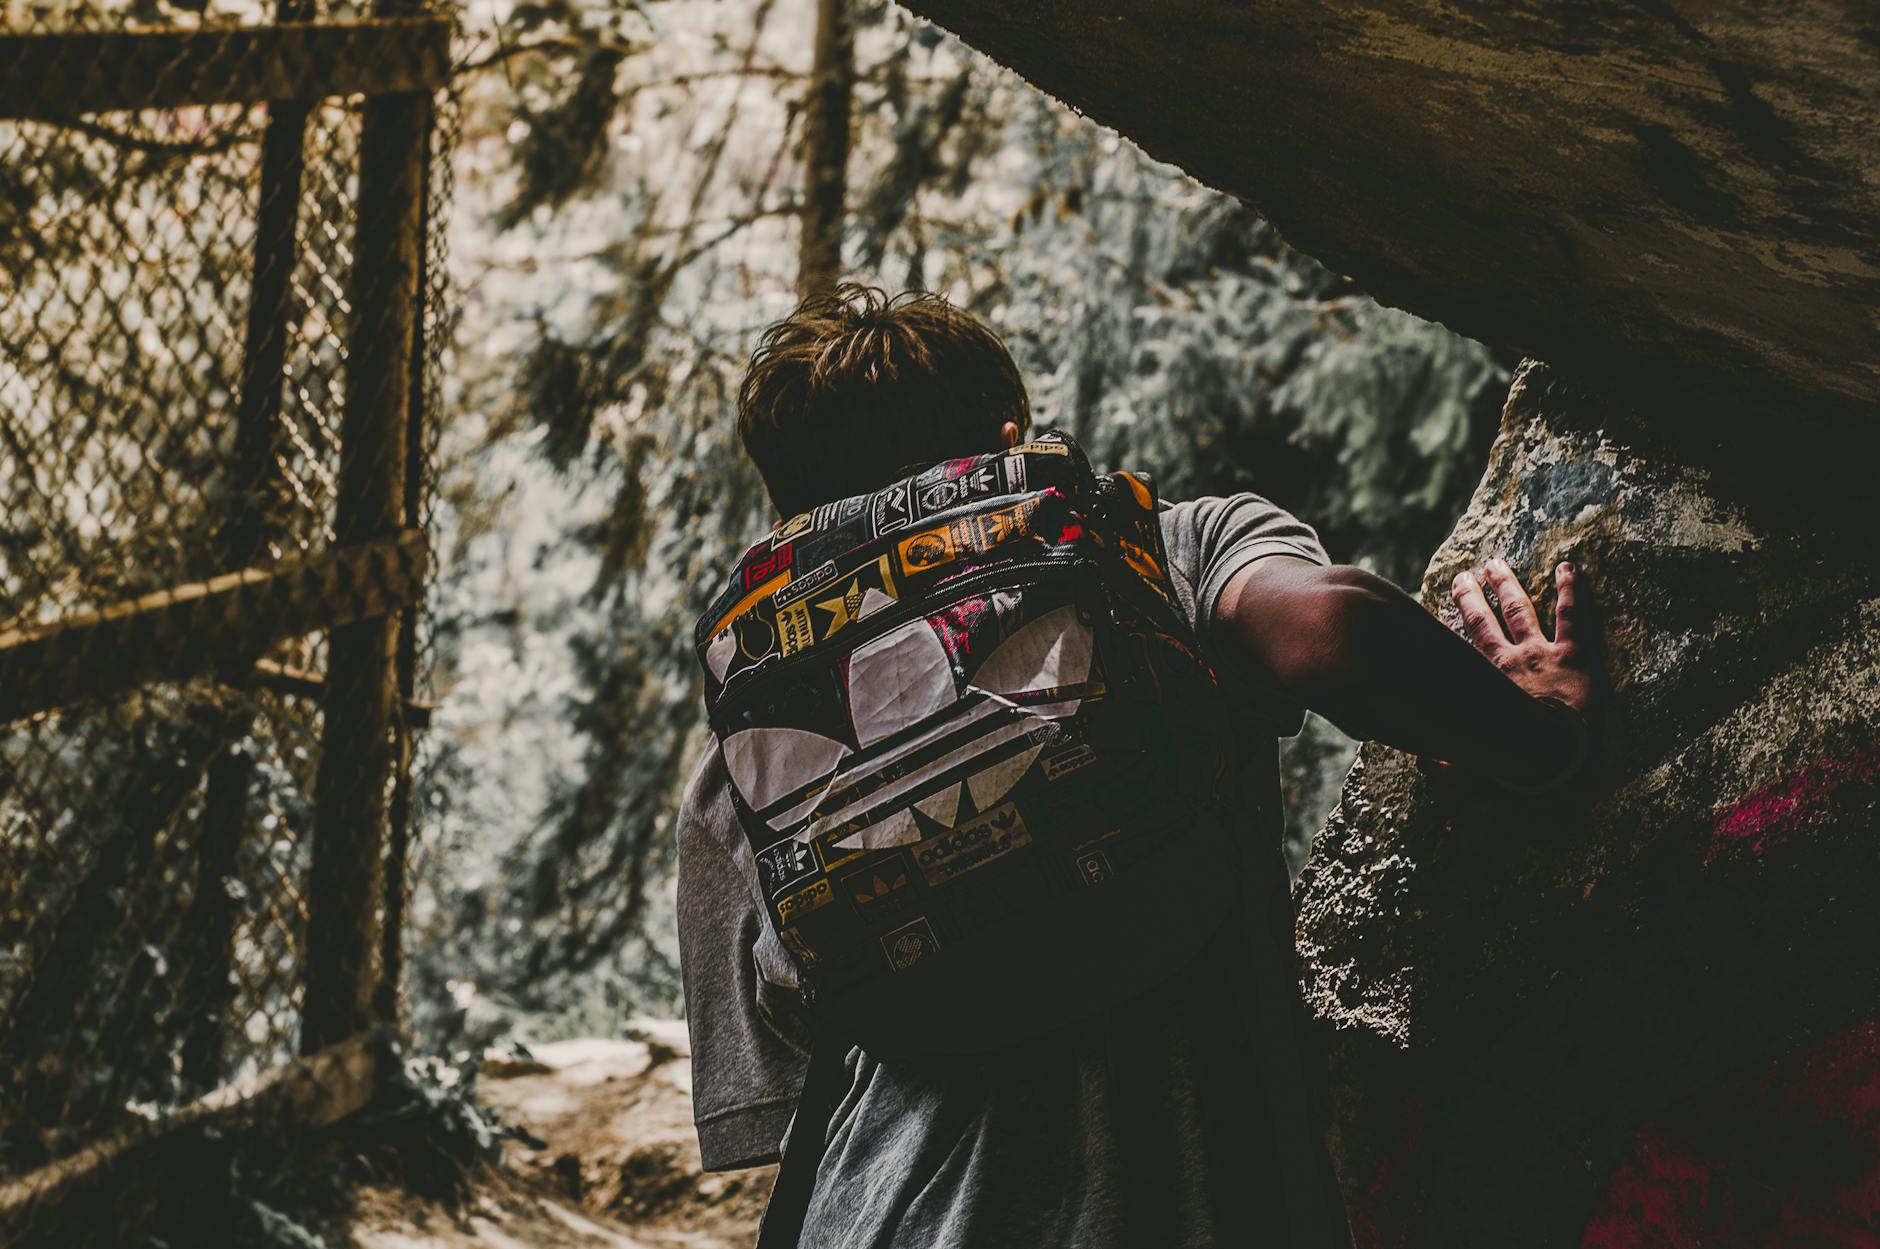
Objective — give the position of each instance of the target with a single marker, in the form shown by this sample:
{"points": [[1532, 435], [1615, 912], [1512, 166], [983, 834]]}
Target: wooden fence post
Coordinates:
{"points": [[252, 523], [346, 886], [397, 852]]}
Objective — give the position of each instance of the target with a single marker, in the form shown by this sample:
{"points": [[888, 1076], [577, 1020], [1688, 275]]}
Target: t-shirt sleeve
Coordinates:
{"points": [[739, 1005], [1208, 540]]}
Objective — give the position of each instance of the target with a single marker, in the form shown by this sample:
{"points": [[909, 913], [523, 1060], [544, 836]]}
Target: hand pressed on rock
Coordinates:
{"points": [[1558, 667], [1363, 654]]}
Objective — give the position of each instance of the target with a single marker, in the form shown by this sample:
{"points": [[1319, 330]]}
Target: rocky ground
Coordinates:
{"points": [[618, 1166]]}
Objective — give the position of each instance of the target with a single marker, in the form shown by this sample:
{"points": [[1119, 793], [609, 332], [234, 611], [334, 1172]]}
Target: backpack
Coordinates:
{"points": [[977, 753]]}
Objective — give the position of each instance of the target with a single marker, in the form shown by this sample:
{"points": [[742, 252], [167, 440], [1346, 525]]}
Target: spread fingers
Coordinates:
{"points": [[1478, 619], [1566, 603], [1516, 608]]}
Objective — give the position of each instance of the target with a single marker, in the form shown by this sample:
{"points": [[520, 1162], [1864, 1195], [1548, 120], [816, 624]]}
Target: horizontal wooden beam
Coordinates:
{"points": [[310, 1092], [294, 682], [218, 625], [51, 77], [299, 683]]}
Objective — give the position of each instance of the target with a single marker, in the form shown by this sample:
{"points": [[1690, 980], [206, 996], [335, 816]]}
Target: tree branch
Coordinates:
{"points": [[570, 47], [230, 137]]}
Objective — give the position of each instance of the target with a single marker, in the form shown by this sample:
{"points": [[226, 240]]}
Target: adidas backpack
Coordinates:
{"points": [[976, 751]]}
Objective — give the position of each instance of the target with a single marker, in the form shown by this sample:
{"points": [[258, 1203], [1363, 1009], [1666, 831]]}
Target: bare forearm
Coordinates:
{"points": [[1410, 683], [1360, 652]]}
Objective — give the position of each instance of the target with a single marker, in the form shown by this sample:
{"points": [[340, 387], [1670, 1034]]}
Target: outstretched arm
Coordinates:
{"points": [[1360, 652]]}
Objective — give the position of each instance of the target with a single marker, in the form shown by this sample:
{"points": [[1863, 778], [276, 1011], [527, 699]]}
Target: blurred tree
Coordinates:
{"points": [[826, 148]]}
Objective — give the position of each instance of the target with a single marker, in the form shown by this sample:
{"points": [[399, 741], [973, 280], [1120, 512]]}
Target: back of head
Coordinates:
{"points": [[853, 387]]}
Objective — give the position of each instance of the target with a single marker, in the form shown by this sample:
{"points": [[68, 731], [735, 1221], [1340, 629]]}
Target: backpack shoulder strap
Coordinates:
{"points": [[782, 1226]]}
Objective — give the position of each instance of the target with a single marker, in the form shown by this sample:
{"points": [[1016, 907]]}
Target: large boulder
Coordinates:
{"points": [[1647, 1013], [1678, 192]]}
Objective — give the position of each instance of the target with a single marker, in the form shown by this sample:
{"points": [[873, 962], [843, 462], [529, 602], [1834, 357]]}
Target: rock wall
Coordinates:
{"points": [[1678, 191], [1647, 1014]]}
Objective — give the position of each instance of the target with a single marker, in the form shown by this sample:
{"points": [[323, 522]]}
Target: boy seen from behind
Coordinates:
{"points": [[1179, 1115]]}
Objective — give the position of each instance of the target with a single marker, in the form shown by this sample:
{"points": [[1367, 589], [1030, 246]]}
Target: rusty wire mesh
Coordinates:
{"points": [[163, 423]]}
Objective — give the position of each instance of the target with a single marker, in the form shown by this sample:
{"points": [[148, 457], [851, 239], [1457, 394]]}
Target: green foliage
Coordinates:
{"points": [[568, 137], [425, 1131]]}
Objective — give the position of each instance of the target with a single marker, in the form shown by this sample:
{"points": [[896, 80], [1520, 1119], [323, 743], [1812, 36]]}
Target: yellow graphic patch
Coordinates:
{"points": [[795, 630], [969, 535], [1139, 559], [1143, 498], [804, 900], [864, 592], [744, 604], [795, 527], [832, 856]]}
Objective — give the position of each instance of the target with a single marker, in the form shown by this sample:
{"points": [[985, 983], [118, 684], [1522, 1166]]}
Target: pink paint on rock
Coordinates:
{"points": [[1785, 1157], [1381, 1211], [1647, 1197], [1774, 813]]}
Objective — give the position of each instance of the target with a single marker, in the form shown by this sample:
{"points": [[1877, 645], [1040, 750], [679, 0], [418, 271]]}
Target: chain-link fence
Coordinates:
{"points": [[220, 304]]}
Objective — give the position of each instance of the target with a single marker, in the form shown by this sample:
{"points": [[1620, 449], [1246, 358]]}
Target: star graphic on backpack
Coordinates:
{"points": [[856, 602], [844, 607]]}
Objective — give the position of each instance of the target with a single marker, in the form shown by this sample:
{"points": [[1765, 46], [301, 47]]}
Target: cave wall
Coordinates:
{"points": [[1678, 193], [1647, 1013]]}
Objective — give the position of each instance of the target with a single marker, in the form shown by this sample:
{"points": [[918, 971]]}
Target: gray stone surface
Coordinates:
{"points": [[1684, 193], [1646, 1013]]}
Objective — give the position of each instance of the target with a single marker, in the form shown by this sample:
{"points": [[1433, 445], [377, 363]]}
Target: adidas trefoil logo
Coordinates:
{"points": [[878, 888]]}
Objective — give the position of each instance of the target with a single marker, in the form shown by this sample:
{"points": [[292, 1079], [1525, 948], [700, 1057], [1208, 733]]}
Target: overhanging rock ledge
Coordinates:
{"points": [[1680, 195]]}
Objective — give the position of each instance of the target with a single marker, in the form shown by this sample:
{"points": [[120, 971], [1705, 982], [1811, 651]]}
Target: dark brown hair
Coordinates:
{"points": [[853, 387]]}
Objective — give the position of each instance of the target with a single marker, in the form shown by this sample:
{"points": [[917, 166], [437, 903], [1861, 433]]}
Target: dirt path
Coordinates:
{"points": [[620, 1169]]}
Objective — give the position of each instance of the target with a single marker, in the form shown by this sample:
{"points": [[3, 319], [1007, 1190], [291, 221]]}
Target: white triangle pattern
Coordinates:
{"points": [[1053, 650], [943, 806], [991, 784], [718, 654], [896, 681], [898, 829], [765, 764]]}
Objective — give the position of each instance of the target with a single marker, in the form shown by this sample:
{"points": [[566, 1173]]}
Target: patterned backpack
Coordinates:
{"points": [[976, 751]]}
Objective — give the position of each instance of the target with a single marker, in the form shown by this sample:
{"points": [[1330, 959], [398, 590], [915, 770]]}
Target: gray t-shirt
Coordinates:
{"points": [[1178, 1118]]}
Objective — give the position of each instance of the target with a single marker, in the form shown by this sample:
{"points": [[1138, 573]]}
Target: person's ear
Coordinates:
{"points": [[1008, 434]]}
